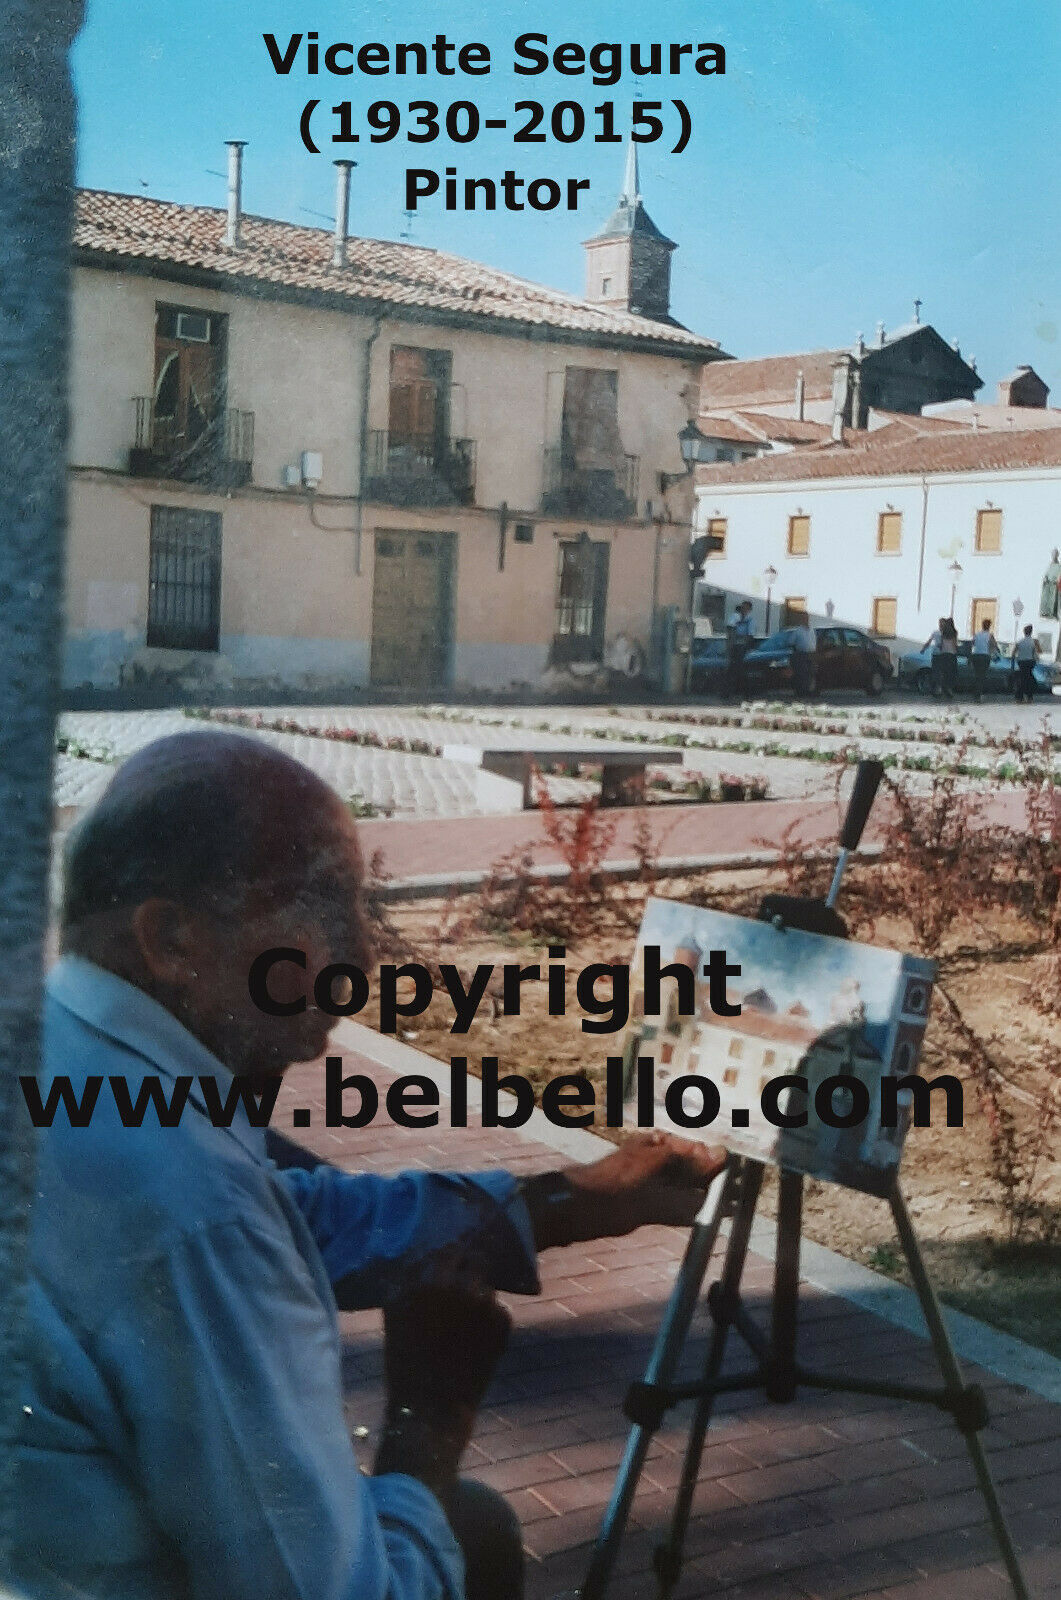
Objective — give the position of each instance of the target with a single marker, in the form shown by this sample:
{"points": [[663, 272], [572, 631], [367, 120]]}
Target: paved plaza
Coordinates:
{"points": [[828, 1497], [393, 776]]}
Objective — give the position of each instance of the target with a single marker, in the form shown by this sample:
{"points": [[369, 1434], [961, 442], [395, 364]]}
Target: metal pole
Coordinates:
{"points": [[661, 1367], [36, 197]]}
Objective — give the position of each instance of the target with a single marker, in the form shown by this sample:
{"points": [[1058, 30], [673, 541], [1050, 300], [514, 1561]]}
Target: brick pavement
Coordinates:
{"points": [[827, 1497]]}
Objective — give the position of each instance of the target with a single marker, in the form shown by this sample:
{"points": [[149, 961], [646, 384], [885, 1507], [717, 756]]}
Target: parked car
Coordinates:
{"points": [[915, 672], [709, 669], [845, 658]]}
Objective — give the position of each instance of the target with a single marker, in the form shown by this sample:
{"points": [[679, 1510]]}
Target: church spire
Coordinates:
{"points": [[631, 192], [628, 261]]}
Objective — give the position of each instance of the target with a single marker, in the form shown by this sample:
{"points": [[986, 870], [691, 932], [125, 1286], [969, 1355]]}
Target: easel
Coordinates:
{"points": [[777, 1371]]}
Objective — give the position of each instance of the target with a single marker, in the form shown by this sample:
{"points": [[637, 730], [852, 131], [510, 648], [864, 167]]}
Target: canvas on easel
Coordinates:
{"points": [[810, 1005]]}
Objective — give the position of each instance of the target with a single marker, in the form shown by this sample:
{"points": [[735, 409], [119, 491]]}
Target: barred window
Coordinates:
{"points": [[184, 583]]}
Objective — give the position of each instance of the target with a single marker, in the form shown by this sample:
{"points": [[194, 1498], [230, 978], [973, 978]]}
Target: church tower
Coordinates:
{"points": [[628, 262]]}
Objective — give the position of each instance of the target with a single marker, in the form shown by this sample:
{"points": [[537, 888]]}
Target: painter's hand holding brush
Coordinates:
{"points": [[652, 1178]]}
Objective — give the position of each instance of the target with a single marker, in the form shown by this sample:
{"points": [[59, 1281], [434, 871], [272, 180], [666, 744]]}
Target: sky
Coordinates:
{"points": [[857, 154]]}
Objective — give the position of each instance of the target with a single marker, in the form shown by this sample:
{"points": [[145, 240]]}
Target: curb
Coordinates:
{"points": [[1000, 1353]]}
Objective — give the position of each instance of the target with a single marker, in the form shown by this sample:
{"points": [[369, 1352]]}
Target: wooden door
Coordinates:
{"points": [[411, 610]]}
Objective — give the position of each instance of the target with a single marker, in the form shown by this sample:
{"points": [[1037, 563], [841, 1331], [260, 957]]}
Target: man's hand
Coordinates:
{"points": [[653, 1177], [441, 1346]]}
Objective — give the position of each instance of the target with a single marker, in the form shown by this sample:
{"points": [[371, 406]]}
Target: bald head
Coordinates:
{"points": [[205, 818], [204, 850]]}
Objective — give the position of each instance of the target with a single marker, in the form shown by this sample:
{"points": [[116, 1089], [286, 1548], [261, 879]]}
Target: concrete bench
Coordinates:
{"points": [[623, 766]]}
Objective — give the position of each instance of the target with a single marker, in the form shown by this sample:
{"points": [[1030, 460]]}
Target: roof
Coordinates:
{"points": [[769, 381], [630, 215], [294, 262], [884, 455], [757, 428], [981, 414]]}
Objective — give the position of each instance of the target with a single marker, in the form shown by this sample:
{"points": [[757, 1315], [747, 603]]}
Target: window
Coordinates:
{"points": [[799, 536], [187, 398], [736, 1048], [794, 613], [729, 1077], [769, 1058], [885, 616], [581, 600], [716, 529], [606, 286], [418, 408], [889, 533], [989, 532], [523, 533], [184, 579], [982, 611]]}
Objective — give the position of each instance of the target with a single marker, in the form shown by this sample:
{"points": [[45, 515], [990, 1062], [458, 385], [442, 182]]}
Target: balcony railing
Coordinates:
{"points": [[408, 469], [605, 492], [216, 451]]}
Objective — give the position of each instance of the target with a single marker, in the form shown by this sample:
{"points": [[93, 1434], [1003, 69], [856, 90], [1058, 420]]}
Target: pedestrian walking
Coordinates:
{"points": [[984, 651], [1026, 653]]}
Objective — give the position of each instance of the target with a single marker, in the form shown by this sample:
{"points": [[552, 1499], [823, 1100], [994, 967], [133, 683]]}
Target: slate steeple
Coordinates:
{"points": [[628, 261]]}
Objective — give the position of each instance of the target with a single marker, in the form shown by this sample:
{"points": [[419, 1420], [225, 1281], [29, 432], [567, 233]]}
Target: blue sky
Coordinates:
{"points": [[858, 153]]}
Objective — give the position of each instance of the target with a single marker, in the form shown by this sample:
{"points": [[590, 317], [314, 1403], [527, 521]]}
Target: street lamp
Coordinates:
{"points": [[769, 578], [955, 569]]}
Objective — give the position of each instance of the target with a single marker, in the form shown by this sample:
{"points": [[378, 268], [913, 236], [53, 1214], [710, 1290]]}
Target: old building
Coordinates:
{"points": [[889, 530], [307, 461], [900, 371]]}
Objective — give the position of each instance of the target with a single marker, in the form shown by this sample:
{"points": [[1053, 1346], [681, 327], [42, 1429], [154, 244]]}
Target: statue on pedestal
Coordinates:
{"points": [[1050, 600]]}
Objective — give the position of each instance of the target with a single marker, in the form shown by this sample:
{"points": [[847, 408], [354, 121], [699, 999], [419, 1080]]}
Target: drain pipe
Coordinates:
{"points": [[362, 454], [924, 530]]}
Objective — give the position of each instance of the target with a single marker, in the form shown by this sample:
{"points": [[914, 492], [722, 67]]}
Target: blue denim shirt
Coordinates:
{"points": [[183, 1426]]}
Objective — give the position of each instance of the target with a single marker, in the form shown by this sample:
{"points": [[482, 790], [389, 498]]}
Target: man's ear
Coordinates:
{"points": [[170, 940]]}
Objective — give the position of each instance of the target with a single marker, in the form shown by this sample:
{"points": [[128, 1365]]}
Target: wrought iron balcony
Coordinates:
{"points": [[410, 469], [216, 451], [606, 492]]}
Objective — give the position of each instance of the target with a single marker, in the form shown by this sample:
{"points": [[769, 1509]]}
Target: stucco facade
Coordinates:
{"points": [[295, 560], [932, 524]]}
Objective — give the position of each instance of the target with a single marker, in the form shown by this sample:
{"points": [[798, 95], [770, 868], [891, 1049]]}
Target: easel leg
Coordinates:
{"points": [[669, 1555], [952, 1377], [784, 1320], [662, 1365]]}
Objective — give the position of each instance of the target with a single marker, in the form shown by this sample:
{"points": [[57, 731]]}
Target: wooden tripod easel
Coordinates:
{"points": [[735, 1192]]}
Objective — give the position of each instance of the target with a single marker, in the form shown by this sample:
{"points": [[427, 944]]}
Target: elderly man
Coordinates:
{"points": [[183, 1429]]}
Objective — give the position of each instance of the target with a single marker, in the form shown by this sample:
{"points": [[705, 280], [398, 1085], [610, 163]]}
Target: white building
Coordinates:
{"points": [[888, 530]]}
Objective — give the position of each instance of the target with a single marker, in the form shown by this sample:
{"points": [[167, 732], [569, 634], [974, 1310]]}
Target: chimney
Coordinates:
{"points": [[235, 191], [880, 336], [342, 210], [800, 392]]}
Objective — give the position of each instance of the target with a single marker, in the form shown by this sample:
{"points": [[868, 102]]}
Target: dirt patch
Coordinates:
{"points": [[949, 1179]]}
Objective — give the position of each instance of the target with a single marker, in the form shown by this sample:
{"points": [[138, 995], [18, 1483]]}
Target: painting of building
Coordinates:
{"points": [[813, 1007]]}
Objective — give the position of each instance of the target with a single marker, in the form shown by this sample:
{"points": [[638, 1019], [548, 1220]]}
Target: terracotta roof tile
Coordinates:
{"points": [[770, 381], [378, 272], [884, 455]]}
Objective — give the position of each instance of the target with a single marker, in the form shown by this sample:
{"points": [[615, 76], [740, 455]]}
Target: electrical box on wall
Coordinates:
{"points": [[291, 477], [312, 467]]}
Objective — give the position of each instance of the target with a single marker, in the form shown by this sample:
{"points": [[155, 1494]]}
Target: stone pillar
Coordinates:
{"points": [[36, 186]]}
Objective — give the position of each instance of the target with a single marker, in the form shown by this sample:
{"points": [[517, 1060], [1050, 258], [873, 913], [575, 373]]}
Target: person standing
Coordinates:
{"points": [[943, 643], [740, 642], [1026, 653], [984, 651], [804, 646]]}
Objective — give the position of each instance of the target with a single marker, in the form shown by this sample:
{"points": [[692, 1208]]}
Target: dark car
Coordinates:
{"points": [[707, 670], [915, 672], [845, 658]]}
